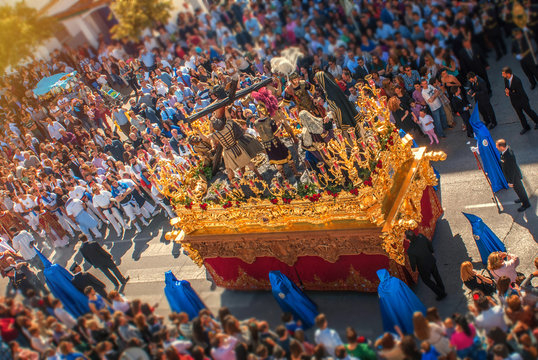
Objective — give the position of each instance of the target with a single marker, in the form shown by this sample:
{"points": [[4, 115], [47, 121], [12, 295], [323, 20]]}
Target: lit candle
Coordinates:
{"points": [[336, 166], [340, 137]]}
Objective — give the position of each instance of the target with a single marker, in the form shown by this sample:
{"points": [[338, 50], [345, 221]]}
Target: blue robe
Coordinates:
{"points": [[491, 159], [59, 282], [291, 299], [397, 303], [486, 240], [181, 296]]}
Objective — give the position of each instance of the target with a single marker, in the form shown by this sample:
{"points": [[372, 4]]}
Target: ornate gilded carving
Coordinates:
{"points": [[287, 247], [379, 181]]}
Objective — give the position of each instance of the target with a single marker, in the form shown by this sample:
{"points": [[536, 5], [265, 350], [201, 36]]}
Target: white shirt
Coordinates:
{"points": [[103, 199], [427, 94], [74, 207], [493, 317], [329, 338], [28, 202], [426, 123], [122, 306], [54, 130], [77, 192], [226, 351], [21, 242], [65, 318]]}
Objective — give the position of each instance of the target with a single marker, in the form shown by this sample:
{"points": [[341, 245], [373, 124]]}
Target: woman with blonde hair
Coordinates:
{"points": [[433, 334], [503, 264], [475, 281]]}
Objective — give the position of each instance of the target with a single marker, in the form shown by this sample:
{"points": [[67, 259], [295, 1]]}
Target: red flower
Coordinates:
{"points": [[188, 206], [368, 182], [329, 192], [203, 206], [379, 164], [306, 187], [237, 203], [354, 191], [334, 195], [395, 130], [274, 201]]}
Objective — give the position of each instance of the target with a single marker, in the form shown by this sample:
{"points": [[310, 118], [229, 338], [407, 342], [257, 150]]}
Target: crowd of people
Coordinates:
{"points": [[77, 163], [501, 324]]}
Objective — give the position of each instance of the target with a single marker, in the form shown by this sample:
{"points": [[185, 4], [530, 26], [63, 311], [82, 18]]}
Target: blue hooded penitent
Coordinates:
{"points": [[291, 299], [491, 159], [485, 239], [181, 296], [397, 303], [59, 282]]}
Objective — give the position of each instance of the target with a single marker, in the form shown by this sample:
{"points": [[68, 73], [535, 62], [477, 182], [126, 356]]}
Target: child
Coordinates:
{"points": [[415, 108], [449, 327], [291, 325], [426, 123]]}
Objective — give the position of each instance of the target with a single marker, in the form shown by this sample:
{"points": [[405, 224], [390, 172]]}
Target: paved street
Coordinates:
{"points": [[148, 255]]}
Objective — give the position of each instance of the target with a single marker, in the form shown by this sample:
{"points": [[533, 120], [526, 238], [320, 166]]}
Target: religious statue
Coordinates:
{"points": [[344, 112], [238, 149], [313, 134], [278, 153], [299, 91]]}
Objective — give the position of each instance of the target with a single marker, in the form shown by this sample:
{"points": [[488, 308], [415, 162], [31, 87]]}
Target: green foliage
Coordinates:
{"points": [[307, 189], [21, 31], [134, 16]]}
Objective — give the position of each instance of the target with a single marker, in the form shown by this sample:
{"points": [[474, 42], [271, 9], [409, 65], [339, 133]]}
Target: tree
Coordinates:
{"points": [[22, 29], [134, 16]]}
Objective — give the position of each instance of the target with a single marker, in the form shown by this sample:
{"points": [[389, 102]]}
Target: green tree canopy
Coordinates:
{"points": [[21, 30], [134, 16]]}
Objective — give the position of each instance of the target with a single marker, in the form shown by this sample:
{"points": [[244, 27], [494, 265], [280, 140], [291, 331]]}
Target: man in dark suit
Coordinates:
{"points": [[148, 113], [102, 260], [479, 91], [512, 173], [83, 279], [472, 60], [74, 165], [461, 107], [362, 69], [522, 52], [421, 257], [513, 88]]}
